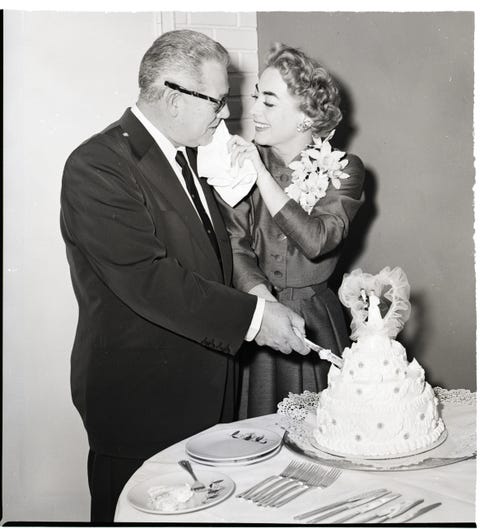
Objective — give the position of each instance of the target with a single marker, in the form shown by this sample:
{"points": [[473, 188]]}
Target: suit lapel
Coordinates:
{"points": [[223, 238], [161, 176]]}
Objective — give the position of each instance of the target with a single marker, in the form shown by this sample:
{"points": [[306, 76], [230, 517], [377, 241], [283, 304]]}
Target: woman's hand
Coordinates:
{"points": [[273, 195], [242, 150]]}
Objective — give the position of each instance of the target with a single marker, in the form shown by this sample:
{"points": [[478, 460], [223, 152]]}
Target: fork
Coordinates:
{"points": [[302, 476], [197, 485], [268, 492], [285, 473], [323, 481]]}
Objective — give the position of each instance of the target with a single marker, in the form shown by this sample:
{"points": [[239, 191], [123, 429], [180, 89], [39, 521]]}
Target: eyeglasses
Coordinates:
{"points": [[219, 103]]}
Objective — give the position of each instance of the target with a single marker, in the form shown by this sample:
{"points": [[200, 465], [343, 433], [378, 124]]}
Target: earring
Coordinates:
{"points": [[304, 125]]}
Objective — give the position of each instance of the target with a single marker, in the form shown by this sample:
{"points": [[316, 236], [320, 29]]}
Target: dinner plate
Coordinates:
{"points": [[236, 462], [230, 444], [139, 497]]}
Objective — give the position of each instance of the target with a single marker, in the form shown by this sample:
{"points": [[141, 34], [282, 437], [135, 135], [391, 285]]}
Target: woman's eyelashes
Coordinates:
{"points": [[266, 103]]}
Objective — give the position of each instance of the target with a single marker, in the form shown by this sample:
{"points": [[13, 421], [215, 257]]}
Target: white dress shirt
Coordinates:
{"points": [[170, 151]]}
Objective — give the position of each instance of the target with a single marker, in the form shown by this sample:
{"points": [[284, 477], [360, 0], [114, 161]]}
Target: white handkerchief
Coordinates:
{"points": [[213, 163]]}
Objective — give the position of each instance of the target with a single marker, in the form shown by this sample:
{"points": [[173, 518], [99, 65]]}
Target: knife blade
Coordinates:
{"points": [[372, 495], [373, 505], [390, 512], [325, 354], [421, 511], [347, 507]]}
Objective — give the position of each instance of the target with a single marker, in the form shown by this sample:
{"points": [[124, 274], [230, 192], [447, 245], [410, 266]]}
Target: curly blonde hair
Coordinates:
{"points": [[308, 80]]}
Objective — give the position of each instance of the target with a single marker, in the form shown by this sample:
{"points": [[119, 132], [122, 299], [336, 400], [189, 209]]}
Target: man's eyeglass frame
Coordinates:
{"points": [[219, 103]]}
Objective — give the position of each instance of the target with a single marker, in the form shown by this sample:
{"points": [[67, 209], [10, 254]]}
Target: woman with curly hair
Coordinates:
{"points": [[287, 233]]}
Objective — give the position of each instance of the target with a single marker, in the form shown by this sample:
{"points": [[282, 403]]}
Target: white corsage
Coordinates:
{"points": [[319, 165]]}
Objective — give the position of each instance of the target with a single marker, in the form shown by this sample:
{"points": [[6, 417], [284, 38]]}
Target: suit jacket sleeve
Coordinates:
{"points": [[246, 272], [104, 214]]}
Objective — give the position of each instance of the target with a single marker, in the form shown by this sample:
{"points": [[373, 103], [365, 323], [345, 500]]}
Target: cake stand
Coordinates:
{"points": [[458, 442]]}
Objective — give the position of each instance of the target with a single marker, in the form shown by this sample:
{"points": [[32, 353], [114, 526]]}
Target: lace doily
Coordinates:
{"points": [[455, 396], [294, 410], [297, 415]]}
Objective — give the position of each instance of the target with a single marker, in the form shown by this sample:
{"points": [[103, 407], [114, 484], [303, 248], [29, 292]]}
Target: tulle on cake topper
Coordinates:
{"points": [[390, 285]]}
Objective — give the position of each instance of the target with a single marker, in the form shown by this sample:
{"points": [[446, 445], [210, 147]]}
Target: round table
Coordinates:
{"points": [[453, 485]]}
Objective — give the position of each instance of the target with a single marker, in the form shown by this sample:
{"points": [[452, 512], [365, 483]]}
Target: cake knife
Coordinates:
{"points": [[325, 354]]}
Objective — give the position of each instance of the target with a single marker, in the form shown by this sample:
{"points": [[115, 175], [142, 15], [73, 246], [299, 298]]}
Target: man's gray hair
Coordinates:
{"points": [[177, 52]]}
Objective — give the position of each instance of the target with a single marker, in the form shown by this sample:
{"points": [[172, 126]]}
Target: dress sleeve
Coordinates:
{"points": [[239, 222], [104, 216], [329, 221]]}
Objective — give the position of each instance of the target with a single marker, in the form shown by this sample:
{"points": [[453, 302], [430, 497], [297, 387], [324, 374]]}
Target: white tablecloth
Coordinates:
{"points": [[452, 485]]}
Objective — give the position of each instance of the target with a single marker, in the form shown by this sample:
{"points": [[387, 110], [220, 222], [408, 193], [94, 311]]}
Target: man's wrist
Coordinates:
{"points": [[256, 322]]}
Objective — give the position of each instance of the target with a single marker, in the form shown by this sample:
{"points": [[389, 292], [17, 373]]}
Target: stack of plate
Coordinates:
{"points": [[233, 447]]}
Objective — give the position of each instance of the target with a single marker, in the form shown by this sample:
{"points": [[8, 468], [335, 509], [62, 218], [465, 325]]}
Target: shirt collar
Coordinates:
{"points": [[167, 147]]}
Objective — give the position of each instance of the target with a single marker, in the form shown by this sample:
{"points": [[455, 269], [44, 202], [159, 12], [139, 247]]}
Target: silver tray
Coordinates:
{"points": [[440, 454], [363, 459], [460, 444]]}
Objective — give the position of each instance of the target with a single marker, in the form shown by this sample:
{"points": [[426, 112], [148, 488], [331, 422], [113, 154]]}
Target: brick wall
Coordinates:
{"points": [[238, 33]]}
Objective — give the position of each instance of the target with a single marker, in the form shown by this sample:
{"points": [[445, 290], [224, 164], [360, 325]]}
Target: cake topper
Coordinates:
{"points": [[374, 319], [365, 294]]}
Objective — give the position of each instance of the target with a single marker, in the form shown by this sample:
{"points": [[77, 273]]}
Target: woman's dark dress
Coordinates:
{"points": [[293, 254]]}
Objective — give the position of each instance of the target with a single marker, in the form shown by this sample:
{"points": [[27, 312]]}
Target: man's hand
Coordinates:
{"points": [[262, 291], [277, 329]]}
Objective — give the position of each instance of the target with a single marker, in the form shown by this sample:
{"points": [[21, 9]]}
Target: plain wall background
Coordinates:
{"points": [[67, 76], [70, 74], [408, 82]]}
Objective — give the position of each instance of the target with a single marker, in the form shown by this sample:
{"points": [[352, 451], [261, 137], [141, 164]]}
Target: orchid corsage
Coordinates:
{"points": [[319, 165]]}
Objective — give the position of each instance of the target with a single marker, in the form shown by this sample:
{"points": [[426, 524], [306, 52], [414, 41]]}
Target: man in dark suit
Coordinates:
{"points": [[154, 355]]}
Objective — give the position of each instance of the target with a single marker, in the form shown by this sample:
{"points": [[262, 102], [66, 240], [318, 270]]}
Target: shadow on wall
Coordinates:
{"points": [[237, 80], [353, 246], [417, 332], [346, 129], [414, 335]]}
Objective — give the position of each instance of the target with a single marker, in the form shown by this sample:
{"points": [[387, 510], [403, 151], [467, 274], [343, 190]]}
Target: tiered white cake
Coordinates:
{"points": [[378, 404]]}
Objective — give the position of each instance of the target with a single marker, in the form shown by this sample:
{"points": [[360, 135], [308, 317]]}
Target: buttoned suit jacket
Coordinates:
{"points": [[158, 326]]}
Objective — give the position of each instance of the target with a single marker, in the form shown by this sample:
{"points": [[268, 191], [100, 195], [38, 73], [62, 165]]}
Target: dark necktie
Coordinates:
{"points": [[188, 176]]}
